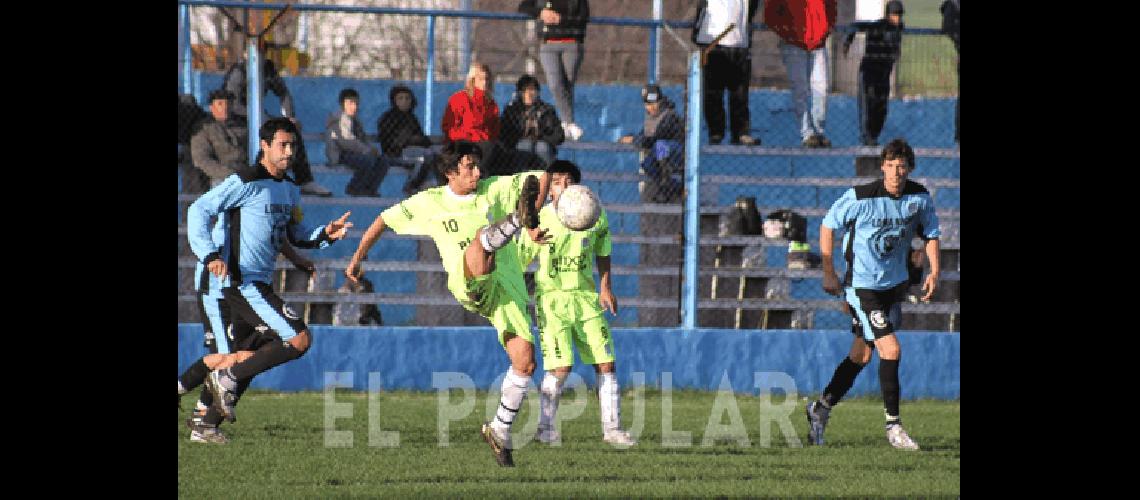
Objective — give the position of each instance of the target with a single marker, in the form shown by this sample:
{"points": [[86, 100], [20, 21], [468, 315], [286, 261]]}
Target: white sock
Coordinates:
{"points": [[514, 390], [610, 399], [551, 393], [181, 390]]}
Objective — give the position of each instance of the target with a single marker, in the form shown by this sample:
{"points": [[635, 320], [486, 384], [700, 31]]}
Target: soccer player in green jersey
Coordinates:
{"points": [[570, 312], [481, 259]]}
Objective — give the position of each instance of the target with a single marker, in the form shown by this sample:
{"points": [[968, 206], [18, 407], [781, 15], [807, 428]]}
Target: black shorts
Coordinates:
{"points": [[255, 304], [875, 313]]}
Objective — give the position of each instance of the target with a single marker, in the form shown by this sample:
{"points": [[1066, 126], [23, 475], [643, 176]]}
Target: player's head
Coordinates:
{"points": [[402, 98], [349, 101], [897, 163], [894, 11], [460, 164], [220, 104], [278, 144], [479, 77], [563, 174], [527, 87]]}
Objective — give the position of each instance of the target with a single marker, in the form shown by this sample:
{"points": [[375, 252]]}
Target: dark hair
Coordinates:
{"points": [[565, 167], [270, 128], [453, 152], [348, 94], [221, 94], [526, 81], [896, 149]]}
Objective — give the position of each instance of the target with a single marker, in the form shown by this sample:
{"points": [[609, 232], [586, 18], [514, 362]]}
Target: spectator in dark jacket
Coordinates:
{"points": [[398, 127], [661, 143], [220, 146], [531, 125], [884, 43], [235, 82], [346, 144], [951, 26], [729, 66], [190, 116], [562, 28]]}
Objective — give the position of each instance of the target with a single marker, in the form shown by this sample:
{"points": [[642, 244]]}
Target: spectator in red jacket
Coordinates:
{"points": [[803, 27], [472, 115]]}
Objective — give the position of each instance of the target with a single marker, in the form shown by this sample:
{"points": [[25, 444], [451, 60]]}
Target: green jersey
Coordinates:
{"points": [[567, 263], [452, 222]]}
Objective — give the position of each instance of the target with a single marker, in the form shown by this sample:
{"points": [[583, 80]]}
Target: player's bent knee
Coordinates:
{"points": [[301, 342]]}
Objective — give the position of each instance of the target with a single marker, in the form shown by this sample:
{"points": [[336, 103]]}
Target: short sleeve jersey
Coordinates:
{"points": [[567, 262]]}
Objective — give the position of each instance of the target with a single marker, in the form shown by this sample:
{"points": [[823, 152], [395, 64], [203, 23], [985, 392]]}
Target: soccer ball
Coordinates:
{"points": [[578, 207]]}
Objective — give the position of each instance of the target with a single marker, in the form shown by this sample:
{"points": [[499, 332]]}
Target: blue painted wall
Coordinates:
{"points": [[406, 358]]}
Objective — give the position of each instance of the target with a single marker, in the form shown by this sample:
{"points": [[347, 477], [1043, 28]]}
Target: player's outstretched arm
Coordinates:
{"points": [[370, 237], [605, 291], [826, 246], [933, 255]]}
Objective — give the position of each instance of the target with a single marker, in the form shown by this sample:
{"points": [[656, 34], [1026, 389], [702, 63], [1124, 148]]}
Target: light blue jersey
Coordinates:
{"points": [[256, 213], [879, 229]]}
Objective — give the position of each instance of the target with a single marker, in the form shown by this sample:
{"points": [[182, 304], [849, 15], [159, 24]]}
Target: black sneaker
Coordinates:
{"points": [[527, 213], [824, 142], [501, 449], [811, 142], [715, 139]]}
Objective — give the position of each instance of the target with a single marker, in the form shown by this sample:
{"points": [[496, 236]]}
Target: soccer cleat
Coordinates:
{"points": [[548, 435], [499, 445], [899, 438], [224, 400], [817, 415], [619, 437], [526, 211], [203, 433]]}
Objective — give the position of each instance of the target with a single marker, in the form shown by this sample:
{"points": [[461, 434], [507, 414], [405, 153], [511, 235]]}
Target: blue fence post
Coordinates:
{"points": [[692, 194], [429, 80], [465, 38], [184, 41], [253, 101]]}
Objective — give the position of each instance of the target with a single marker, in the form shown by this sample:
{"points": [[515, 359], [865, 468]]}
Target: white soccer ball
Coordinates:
{"points": [[578, 207]]}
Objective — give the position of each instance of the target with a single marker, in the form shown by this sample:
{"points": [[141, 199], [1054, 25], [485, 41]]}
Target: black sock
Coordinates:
{"points": [[841, 381], [207, 397], [213, 417], [194, 375], [889, 381], [264, 359]]}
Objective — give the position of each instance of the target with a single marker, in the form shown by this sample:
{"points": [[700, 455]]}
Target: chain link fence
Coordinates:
{"points": [[746, 280]]}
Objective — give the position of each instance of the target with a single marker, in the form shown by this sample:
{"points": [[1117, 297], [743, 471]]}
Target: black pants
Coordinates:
{"points": [[874, 93], [730, 69]]}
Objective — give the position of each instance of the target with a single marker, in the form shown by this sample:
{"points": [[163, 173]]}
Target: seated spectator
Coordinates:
{"points": [[531, 125], [220, 145], [398, 128], [235, 82], [355, 313], [346, 144], [661, 142], [473, 115], [190, 115]]}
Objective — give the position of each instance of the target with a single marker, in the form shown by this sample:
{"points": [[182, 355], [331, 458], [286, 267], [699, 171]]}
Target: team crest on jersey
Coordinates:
{"points": [[288, 312], [912, 209], [878, 319]]}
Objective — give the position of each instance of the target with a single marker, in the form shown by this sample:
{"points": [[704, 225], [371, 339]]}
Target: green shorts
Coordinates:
{"points": [[566, 319], [501, 301]]}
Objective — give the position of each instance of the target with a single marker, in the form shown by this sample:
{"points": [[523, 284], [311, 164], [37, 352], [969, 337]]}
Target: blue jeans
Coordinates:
{"points": [[804, 67], [368, 172], [663, 161], [540, 148], [560, 63]]}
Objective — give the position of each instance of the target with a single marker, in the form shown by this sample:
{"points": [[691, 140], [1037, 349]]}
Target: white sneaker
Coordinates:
{"points": [[548, 436], [313, 188], [619, 437], [572, 131], [899, 438]]}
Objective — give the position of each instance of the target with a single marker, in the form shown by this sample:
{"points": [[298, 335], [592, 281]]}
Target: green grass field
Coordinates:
{"points": [[278, 449]]}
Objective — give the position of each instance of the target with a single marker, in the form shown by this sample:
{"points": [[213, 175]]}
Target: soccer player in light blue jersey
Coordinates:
{"points": [[261, 209], [879, 220]]}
